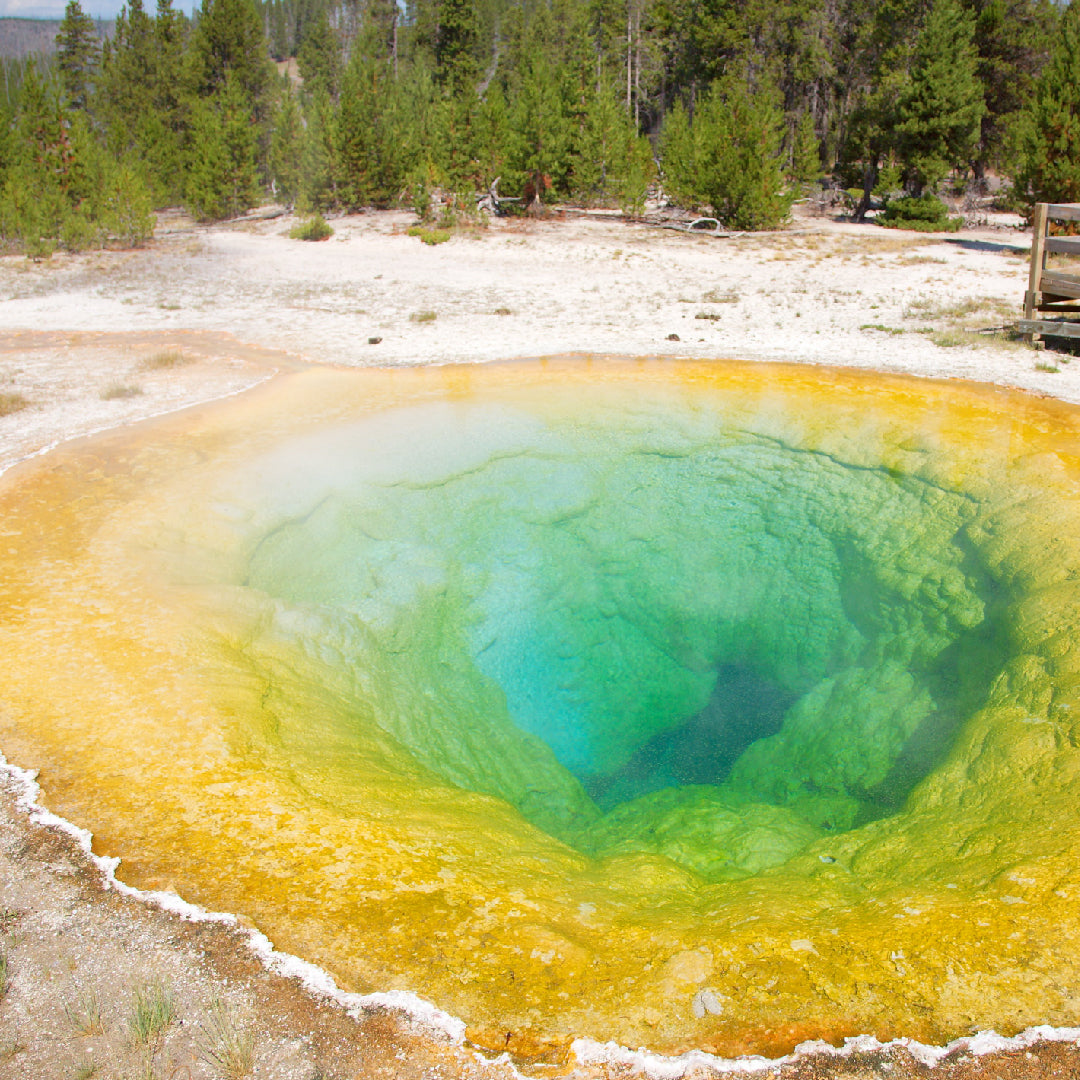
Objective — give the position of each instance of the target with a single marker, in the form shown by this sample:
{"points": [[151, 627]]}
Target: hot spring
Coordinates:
{"points": [[684, 705]]}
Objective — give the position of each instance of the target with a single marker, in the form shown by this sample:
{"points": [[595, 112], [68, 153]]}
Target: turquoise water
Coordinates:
{"points": [[675, 637]]}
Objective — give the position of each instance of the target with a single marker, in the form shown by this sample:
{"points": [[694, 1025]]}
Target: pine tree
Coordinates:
{"points": [[741, 168], [221, 176], [320, 159], [634, 171], [492, 139], [34, 201], [164, 138], [287, 147], [229, 47], [77, 54], [600, 144], [127, 83], [805, 166], [1013, 38], [678, 157], [126, 211], [1051, 147], [941, 107], [541, 133], [455, 43], [319, 58]]}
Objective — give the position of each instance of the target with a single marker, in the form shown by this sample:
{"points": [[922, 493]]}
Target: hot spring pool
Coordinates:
{"points": [[685, 705]]}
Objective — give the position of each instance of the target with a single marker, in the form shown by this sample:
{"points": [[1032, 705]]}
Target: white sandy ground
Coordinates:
{"points": [[242, 301]]}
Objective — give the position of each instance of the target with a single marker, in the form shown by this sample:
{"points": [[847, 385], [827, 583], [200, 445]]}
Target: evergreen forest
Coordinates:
{"points": [[733, 109]]}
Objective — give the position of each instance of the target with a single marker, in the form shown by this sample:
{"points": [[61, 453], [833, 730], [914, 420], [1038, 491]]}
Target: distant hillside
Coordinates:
{"points": [[23, 37]]}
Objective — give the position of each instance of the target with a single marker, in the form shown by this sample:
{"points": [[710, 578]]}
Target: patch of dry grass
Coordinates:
{"points": [[879, 245], [120, 391], [167, 358], [958, 311], [715, 296], [423, 316], [12, 403]]}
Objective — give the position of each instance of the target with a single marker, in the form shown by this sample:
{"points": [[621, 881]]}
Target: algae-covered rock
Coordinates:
{"points": [[704, 830]]}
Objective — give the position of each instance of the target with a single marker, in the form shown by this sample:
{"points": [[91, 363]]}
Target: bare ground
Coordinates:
{"points": [[93, 341]]}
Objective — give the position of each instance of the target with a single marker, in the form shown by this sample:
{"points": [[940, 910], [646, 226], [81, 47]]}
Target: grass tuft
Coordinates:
{"points": [[1046, 365], [120, 391], [4, 976], [12, 403], [85, 1014], [948, 340], [714, 296], [152, 1012], [423, 316], [503, 311], [711, 316], [167, 358], [882, 328], [86, 1071], [224, 1044]]}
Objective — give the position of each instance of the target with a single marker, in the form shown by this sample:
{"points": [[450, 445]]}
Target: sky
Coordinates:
{"points": [[54, 9]]}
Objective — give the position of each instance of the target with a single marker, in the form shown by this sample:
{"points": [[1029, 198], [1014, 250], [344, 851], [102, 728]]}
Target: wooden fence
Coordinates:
{"points": [[1050, 290]]}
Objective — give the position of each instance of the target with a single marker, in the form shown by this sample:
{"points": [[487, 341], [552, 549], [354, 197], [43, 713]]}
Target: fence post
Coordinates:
{"points": [[1038, 255]]}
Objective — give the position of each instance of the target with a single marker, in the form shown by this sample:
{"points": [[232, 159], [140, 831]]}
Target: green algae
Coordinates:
{"points": [[670, 635]]}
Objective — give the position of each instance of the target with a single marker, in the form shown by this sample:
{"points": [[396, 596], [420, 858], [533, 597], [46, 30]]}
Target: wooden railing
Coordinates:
{"points": [[1051, 290]]}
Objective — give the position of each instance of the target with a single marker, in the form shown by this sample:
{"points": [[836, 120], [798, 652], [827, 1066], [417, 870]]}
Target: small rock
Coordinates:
{"points": [[706, 1001], [673, 337], [374, 340]]}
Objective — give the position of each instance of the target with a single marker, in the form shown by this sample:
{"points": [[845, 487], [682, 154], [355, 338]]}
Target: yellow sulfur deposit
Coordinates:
{"points": [[681, 704]]}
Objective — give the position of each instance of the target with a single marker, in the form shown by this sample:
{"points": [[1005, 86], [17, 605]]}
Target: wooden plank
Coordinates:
{"points": [[1063, 245], [1057, 284], [1063, 211], [1038, 257], [1048, 328]]}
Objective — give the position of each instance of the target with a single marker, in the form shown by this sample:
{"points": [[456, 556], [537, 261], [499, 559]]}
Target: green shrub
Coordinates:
{"points": [[429, 236], [922, 213], [315, 228]]}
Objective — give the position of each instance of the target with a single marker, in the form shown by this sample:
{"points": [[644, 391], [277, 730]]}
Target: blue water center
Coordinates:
{"points": [[683, 638]]}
